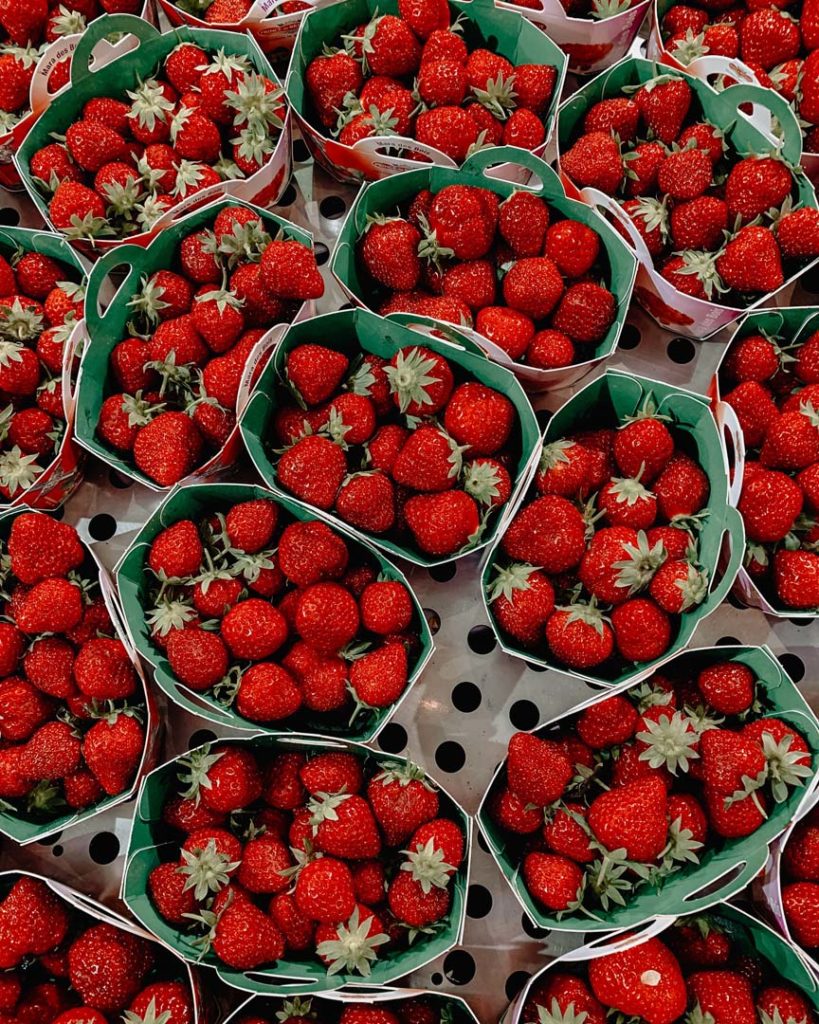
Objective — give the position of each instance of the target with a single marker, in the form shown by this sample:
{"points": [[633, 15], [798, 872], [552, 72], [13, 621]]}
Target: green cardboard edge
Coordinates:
{"points": [[681, 888], [11, 825], [106, 331], [133, 579], [603, 402], [289, 976], [121, 74], [385, 195], [266, 1007], [720, 108], [358, 329], [502, 32]]}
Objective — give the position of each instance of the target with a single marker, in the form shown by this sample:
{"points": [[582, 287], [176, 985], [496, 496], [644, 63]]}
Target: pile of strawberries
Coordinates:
{"points": [[330, 857], [408, 448], [201, 119], [706, 965], [59, 965], [412, 1010], [718, 224], [773, 387], [777, 44], [26, 30], [71, 703], [519, 272], [40, 305], [178, 373], [644, 784], [799, 866], [595, 571], [422, 74], [278, 618], [231, 12]]}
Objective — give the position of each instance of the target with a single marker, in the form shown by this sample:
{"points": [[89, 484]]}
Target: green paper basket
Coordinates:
{"points": [[133, 579], [24, 829], [747, 134], [724, 871], [384, 196], [105, 328], [124, 73], [63, 475], [352, 331], [751, 935], [484, 25], [288, 975], [792, 322], [605, 403], [452, 1008]]}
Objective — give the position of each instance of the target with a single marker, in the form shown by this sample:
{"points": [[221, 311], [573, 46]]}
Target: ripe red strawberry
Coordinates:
{"points": [[424, 16], [522, 600], [642, 630], [595, 161], [578, 636], [724, 995], [402, 800], [619, 115], [798, 233], [632, 817], [112, 749], [254, 629], [448, 128], [537, 770], [390, 252], [245, 937], [510, 329], [554, 881], [313, 469], [176, 552], [523, 220], [379, 677], [573, 247], [645, 980], [796, 575], [464, 219], [288, 270], [641, 166], [585, 312], [570, 993], [756, 185], [607, 723], [751, 261], [769, 37], [664, 103], [800, 901], [167, 448], [168, 892], [39, 547], [549, 532]]}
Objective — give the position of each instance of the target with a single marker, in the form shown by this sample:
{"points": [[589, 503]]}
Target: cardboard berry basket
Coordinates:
{"points": [[748, 932], [105, 328], [745, 133], [124, 73], [451, 1008], [273, 31], [711, 64], [483, 25], [353, 331], [769, 888], [41, 95], [196, 501], [723, 869], [64, 473], [26, 828], [384, 196], [792, 323], [604, 403], [591, 44], [288, 975], [87, 912]]}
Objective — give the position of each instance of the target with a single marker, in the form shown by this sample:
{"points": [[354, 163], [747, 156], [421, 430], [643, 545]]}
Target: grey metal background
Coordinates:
{"points": [[459, 716]]}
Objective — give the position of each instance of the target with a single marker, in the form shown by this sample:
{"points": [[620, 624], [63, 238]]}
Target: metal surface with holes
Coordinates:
{"points": [[471, 698]]}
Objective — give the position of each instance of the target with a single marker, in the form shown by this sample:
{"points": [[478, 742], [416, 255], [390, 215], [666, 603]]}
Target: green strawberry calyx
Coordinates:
{"points": [[427, 866], [206, 870], [354, 949]]}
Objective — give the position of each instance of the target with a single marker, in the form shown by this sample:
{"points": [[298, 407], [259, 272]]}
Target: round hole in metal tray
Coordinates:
{"points": [[50, 840], [201, 736], [436, 978], [119, 480], [433, 620], [532, 929], [102, 526], [322, 253], [630, 337], [9, 217], [289, 196], [727, 641], [793, 665], [300, 152], [515, 982], [459, 967], [393, 738], [524, 715], [332, 207], [443, 573], [681, 350], [478, 901], [104, 848], [481, 640], [450, 757], [466, 697]]}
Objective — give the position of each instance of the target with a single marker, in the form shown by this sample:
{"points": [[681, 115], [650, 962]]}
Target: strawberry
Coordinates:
{"points": [[39, 547], [641, 166], [311, 551], [798, 233], [788, 1003], [254, 629], [537, 770], [472, 283], [464, 218], [549, 532], [386, 607], [522, 600], [578, 636], [769, 37], [533, 286], [23, 26], [425, 16], [442, 83], [685, 174], [176, 552], [390, 252], [729, 687], [514, 814], [313, 469], [619, 115], [550, 349], [751, 261], [632, 817], [755, 410], [448, 128], [327, 617], [103, 670], [642, 630], [595, 161], [608, 723], [664, 103], [800, 901], [796, 576], [625, 502], [792, 440], [585, 312], [756, 184], [510, 329], [378, 678], [567, 993], [524, 130], [725, 995], [226, 778], [402, 801], [112, 749], [681, 489], [554, 881], [522, 222], [645, 980], [167, 448], [573, 247], [288, 270], [53, 605], [699, 224], [315, 372]]}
